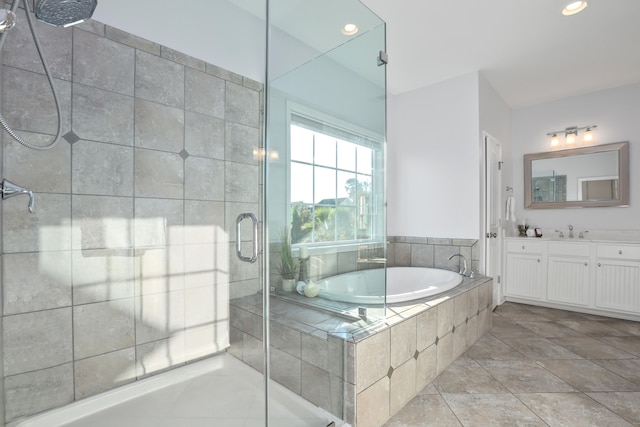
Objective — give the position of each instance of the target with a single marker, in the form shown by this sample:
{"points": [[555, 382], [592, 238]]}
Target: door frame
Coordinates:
{"points": [[485, 194]]}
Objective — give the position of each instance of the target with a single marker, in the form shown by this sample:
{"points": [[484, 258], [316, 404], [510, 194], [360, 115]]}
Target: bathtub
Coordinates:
{"points": [[403, 284]]}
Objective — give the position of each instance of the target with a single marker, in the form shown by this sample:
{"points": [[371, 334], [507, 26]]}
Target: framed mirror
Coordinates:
{"points": [[577, 178]]}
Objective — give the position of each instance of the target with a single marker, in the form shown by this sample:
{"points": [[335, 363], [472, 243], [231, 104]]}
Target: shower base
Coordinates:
{"points": [[217, 391]]}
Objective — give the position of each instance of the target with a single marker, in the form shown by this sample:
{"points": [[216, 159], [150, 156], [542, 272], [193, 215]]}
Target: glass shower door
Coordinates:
{"points": [[324, 191]]}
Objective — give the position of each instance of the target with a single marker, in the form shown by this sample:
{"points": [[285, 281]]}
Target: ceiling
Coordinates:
{"points": [[528, 51]]}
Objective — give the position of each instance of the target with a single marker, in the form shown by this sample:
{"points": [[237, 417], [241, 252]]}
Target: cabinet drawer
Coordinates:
{"points": [[618, 251], [525, 246], [570, 249]]}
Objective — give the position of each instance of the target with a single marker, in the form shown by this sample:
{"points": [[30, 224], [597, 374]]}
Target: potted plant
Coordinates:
{"points": [[288, 268]]}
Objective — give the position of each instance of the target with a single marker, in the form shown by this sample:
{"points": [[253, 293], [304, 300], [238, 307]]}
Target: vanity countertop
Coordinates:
{"points": [[597, 236]]}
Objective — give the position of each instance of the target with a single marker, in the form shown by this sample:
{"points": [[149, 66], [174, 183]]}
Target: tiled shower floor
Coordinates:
{"points": [[231, 395], [537, 367]]}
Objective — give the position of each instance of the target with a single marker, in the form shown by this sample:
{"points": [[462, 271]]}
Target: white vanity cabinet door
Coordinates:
{"points": [[569, 273], [618, 277], [525, 275], [568, 279]]}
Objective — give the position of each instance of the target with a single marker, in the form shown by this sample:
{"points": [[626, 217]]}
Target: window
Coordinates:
{"points": [[330, 183]]}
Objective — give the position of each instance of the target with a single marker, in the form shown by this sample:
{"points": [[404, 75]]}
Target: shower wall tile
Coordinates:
{"points": [[102, 275], [316, 386], [91, 26], [159, 270], [204, 222], [32, 107], [101, 169], [204, 136], [241, 183], [158, 356], [27, 288], [102, 222], [203, 178], [288, 371], [90, 67], [159, 80], [159, 222], [214, 70], [286, 339], [37, 340], [33, 169], [146, 273], [241, 143], [242, 105], [100, 115], [181, 58], [206, 265], [239, 270], [104, 372], [159, 316], [47, 229], [131, 40], [33, 392], [20, 51], [159, 127], [103, 327], [154, 167], [232, 210], [204, 94], [403, 254], [444, 352]]}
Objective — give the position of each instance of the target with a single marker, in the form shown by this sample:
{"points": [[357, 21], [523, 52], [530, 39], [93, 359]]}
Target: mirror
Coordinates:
{"points": [[580, 177]]}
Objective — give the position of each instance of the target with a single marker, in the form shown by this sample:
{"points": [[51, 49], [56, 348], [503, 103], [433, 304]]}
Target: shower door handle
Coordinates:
{"points": [[254, 224]]}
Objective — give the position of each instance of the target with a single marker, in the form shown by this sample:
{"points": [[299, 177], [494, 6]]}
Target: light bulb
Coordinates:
{"points": [[571, 137], [588, 135], [555, 141], [574, 7], [349, 29]]}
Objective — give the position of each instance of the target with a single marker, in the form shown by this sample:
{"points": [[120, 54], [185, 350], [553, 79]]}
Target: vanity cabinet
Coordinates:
{"points": [[588, 276], [568, 273], [525, 269], [618, 277]]}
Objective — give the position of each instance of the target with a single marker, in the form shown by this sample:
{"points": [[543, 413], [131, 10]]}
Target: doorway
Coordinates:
{"points": [[492, 227]]}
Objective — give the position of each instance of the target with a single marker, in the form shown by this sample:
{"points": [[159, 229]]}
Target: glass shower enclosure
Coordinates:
{"points": [[325, 153]]}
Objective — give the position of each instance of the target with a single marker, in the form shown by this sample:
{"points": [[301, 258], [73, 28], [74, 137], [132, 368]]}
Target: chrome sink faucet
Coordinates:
{"points": [[570, 231]]}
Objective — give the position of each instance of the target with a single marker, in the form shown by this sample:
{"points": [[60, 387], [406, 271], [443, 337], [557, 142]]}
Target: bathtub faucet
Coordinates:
{"points": [[463, 270]]}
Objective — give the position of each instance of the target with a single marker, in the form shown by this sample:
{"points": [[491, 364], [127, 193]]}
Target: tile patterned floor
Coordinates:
{"points": [[538, 367]]}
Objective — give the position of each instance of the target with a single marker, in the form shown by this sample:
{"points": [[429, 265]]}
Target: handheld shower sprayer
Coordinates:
{"points": [[60, 13], [9, 189]]}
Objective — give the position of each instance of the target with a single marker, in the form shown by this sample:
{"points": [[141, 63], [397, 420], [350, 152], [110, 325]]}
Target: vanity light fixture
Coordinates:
{"points": [[571, 135], [574, 7], [350, 29]]}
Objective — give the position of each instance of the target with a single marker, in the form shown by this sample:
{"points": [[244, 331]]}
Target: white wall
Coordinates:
{"points": [[433, 161], [616, 112], [495, 119]]}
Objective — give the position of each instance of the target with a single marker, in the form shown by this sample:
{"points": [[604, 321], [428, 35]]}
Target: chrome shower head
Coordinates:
{"points": [[64, 13]]}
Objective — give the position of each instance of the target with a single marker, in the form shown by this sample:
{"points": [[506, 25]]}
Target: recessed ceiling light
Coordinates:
{"points": [[349, 29], [574, 7]]}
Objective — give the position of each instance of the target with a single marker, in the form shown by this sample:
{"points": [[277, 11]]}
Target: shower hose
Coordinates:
{"points": [[3, 122]]}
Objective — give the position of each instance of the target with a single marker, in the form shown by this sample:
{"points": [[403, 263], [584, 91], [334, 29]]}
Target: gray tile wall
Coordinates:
{"points": [[124, 270], [403, 251]]}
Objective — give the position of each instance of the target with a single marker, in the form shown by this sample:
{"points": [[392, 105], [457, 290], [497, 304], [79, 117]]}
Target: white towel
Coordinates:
{"points": [[510, 209]]}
